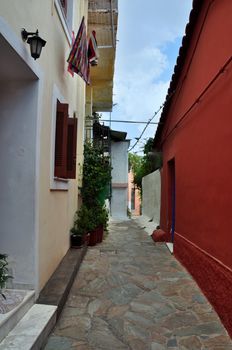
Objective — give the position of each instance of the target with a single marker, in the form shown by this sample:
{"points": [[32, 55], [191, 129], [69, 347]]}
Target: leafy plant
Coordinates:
{"points": [[4, 276], [84, 221], [95, 189], [96, 174], [128, 213], [144, 165], [101, 216]]}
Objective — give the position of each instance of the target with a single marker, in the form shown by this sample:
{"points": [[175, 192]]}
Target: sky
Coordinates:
{"points": [[148, 39]]}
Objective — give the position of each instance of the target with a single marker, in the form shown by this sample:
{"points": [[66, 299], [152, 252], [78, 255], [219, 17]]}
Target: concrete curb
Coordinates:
{"points": [[58, 286]]}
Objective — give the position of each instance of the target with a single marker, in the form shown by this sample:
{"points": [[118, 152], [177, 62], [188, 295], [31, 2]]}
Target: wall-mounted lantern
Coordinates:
{"points": [[35, 42]]}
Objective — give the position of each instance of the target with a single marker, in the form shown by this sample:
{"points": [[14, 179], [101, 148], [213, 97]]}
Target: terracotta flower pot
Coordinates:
{"points": [[93, 238], [100, 233]]}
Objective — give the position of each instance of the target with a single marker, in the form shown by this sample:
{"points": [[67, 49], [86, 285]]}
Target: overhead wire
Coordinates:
{"points": [[150, 120], [199, 98], [183, 79]]}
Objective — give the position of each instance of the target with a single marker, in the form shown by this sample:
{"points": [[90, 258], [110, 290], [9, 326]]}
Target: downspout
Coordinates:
{"points": [[112, 24]]}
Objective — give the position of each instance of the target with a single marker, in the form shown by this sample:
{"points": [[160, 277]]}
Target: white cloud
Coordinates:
{"points": [[137, 86], [147, 35]]}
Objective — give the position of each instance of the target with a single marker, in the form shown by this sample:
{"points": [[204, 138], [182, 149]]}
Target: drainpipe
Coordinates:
{"points": [[112, 24]]}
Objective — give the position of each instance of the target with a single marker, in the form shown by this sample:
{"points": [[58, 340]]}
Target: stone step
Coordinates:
{"points": [[25, 299], [32, 330]]}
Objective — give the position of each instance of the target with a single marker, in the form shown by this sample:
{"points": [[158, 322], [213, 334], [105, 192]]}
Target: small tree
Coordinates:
{"points": [[135, 164], [144, 165], [96, 175], [94, 191]]}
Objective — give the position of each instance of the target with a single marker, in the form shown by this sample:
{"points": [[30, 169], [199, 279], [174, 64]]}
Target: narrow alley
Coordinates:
{"points": [[132, 294]]}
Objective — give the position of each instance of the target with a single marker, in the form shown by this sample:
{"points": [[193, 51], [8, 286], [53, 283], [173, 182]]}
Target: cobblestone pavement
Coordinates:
{"points": [[132, 294]]}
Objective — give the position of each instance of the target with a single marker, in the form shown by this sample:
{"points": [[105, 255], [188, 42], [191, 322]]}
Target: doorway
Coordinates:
{"points": [[18, 142]]}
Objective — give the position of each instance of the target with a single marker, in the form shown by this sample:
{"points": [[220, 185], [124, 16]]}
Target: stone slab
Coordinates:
{"points": [[32, 330], [139, 297], [11, 318]]}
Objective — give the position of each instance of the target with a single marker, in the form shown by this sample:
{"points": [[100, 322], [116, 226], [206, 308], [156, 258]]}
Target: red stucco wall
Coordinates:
{"points": [[201, 145]]}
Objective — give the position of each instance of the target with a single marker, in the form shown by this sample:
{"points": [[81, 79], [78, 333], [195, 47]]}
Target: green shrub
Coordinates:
{"points": [[4, 276], [94, 191]]}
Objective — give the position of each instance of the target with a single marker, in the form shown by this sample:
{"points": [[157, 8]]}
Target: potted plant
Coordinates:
{"points": [[92, 216], [77, 238], [4, 276], [96, 176], [81, 228], [101, 217], [94, 226]]}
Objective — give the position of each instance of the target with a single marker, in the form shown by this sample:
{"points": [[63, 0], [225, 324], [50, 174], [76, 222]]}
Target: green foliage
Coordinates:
{"points": [[96, 174], [128, 213], [4, 276], [94, 191], [83, 221], [101, 215], [144, 165]]}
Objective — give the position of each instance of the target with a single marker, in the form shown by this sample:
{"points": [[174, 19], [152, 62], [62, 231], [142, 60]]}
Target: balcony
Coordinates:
{"points": [[103, 18]]}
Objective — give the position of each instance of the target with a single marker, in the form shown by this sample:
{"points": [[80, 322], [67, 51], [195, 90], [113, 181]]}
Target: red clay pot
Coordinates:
{"points": [[93, 238], [100, 233]]}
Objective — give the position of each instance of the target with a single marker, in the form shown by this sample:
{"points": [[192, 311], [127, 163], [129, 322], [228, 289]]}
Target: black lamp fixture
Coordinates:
{"points": [[36, 43]]}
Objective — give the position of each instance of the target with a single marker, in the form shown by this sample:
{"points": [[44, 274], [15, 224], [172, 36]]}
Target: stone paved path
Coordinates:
{"points": [[132, 294]]}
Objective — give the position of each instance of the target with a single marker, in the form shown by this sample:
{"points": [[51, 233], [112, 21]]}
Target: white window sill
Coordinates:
{"points": [[63, 22], [59, 184]]}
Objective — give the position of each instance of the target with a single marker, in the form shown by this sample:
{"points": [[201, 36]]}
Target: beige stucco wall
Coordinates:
{"points": [[151, 186], [56, 208]]}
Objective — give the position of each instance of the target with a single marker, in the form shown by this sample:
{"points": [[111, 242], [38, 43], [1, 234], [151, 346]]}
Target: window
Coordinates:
{"points": [[64, 6], [65, 143], [65, 12]]}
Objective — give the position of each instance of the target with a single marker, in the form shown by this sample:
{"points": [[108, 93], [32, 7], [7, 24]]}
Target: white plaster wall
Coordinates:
{"points": [[119, 203], [151, 196], [119, 159], [18, 112], [55, 209]]}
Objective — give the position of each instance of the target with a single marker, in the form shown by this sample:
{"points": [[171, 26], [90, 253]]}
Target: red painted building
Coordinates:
{"points": [[195, 137]]}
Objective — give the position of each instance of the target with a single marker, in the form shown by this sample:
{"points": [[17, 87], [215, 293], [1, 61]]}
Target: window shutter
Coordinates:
{"points": [[61, 140], [71, 148]]}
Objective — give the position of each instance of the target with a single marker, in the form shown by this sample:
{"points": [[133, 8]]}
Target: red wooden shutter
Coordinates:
{"points": [[61, 140], [71, 148]]}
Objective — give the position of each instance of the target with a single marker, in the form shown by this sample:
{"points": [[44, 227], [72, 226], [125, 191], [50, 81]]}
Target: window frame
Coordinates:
{"points": [[71, 148], [66, 19], [65, 143], [60, 160], [65, 7], [56, 183]]}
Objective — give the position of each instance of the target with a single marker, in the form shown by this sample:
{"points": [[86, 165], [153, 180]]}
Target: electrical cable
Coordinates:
{"points": [[193, 54], [149, 121], [198, 99], [125, 121], [182, 81]]}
